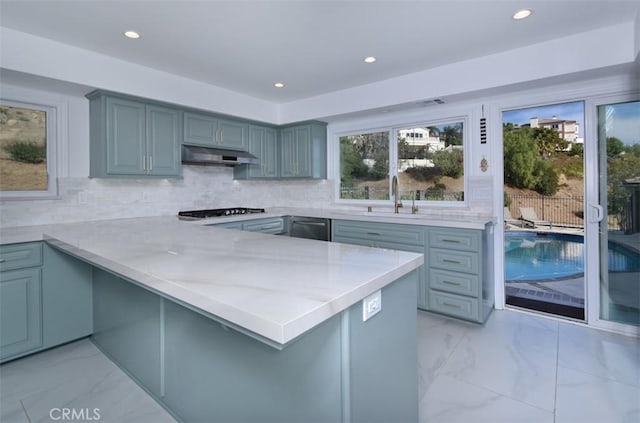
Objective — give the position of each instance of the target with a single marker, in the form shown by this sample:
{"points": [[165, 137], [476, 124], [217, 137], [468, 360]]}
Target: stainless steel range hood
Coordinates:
{"points": [[199, 155]]}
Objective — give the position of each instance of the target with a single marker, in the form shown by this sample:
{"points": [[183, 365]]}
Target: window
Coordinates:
{"points": [[364, 166], [428, 160], [27, 150]]}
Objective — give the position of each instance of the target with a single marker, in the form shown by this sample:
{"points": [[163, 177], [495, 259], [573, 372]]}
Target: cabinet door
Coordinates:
{"points": [[288, 153], [20, 311], [200, 129], [163, 142], [232, 134], [263, 143], [125, 137], [302, 158], [270, 154]]}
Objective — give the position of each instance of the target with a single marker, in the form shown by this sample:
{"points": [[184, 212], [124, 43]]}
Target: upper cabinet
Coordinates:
{"points": [[263, 143], [207, 130], [293, 152], [133, 138]]}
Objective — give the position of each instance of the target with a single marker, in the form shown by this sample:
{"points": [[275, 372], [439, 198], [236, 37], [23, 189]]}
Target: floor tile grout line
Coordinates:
{"points": [[25, 411]]}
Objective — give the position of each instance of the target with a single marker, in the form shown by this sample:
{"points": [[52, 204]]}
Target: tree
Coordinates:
{"points": [[520, 157], [614, 147], [452, 135], [351, 165], [451, 163], [548, 141]]}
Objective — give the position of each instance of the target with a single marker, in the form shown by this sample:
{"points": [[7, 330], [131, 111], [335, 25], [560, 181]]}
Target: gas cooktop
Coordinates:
{"points": [[203, 214]]}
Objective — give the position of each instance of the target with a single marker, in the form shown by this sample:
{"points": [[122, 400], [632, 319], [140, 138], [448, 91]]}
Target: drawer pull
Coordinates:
{"points": [[451, 305], [450, 261], [373, 233], [450, 283], [453, 241]]}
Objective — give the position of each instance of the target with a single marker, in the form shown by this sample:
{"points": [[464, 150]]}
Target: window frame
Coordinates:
{"points": [[393, 127], [52, 134]]}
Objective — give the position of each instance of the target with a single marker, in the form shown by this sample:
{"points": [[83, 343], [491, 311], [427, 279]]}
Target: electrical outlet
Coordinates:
{"points": [[371, 305], [146, 197], [82, 197]]}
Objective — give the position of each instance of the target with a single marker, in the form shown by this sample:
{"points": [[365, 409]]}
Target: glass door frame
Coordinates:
{"points": [[594, 213]]}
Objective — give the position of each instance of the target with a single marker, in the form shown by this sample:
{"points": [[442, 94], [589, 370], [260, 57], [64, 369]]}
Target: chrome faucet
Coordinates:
{"points": [[414, 208], [394, 193]]}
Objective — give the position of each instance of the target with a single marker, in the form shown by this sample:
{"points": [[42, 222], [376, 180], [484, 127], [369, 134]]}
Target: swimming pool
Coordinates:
{"points": [[531, 256]]}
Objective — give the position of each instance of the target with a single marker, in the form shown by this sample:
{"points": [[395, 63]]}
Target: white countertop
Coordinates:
{"points": [[378, 215], [277, 287]]}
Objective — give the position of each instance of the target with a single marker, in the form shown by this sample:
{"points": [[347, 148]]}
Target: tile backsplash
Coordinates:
{"points": [[201, 187]]}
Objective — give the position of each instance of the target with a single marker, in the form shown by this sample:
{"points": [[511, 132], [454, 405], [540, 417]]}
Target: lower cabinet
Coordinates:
{"points": [[460, 279], [20, 311], [386, 235], [456, 278], [45, 299], [269, 225]]}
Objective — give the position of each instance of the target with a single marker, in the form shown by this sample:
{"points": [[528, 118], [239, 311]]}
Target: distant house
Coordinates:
{"points": [[422, 137], [567, 129]]}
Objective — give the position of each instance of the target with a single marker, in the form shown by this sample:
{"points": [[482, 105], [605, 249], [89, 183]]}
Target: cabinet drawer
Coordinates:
{"points": [[380, 232], [18, 256], [229, 225], [456, 261], [20, 312], [266, 226], [455, 239], [453, 305], [457, 283]]}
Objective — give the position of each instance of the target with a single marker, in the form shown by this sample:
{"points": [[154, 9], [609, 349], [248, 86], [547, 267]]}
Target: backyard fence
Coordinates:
{"points": [[560, 211]]}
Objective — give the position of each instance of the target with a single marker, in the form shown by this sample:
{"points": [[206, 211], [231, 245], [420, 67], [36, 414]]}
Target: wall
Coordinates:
{"points": [[81, 198]]}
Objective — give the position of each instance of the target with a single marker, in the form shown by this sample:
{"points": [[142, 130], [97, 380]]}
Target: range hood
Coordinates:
{"points": [[199, 155]]}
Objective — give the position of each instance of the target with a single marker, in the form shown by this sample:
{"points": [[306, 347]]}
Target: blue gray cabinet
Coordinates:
{"points": [[212, 131], [303, 151], [203, 369], [385, 235], [269, 225], [456, 278], [45, 299], [460, 278], [133, 138], [263, 143]]}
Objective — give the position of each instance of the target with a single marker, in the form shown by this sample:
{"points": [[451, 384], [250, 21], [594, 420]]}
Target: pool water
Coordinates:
{"points": [[539, 257]]}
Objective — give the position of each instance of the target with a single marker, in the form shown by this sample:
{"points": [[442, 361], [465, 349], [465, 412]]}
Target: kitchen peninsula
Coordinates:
{"points": [[224, 325]]}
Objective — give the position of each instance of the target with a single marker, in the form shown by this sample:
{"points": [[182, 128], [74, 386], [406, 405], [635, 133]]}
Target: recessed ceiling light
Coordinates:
{"points": [[369, 59], [279, 85], [521, 14], [132, 34]]}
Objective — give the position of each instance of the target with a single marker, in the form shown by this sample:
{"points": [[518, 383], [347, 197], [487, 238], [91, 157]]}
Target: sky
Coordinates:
{"points": [[623, 121]]}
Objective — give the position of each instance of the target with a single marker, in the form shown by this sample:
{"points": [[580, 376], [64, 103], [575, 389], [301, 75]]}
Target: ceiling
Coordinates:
{"points": [[314, 47]]}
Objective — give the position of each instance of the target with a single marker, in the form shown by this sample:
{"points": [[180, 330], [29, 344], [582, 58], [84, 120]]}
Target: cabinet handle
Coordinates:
{"points": [[451, 305], [150, 163], [450, 261], [453, 241], [1, 260], [373, 233], [144, 162], [450, 283]]}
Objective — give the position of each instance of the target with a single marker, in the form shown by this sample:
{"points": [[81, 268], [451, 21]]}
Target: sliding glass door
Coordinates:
{"points": [[618, 212]]}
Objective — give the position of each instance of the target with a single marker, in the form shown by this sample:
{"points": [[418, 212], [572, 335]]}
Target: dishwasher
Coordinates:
{"points": [[309, 227]]}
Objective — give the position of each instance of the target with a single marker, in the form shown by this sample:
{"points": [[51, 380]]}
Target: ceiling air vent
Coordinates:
{"points": [[483, 130]]}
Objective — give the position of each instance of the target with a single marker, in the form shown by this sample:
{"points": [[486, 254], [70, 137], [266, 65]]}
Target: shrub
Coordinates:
{"points": [[547, 178], [450, 162], [27, 152], [424, 173]]}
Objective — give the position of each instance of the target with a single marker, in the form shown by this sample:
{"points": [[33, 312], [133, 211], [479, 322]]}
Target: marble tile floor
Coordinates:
{"points": [[524, 368], [515, 368]]}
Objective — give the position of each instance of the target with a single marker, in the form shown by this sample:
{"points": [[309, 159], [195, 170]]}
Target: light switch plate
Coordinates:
{"points": [[371, 305]]}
